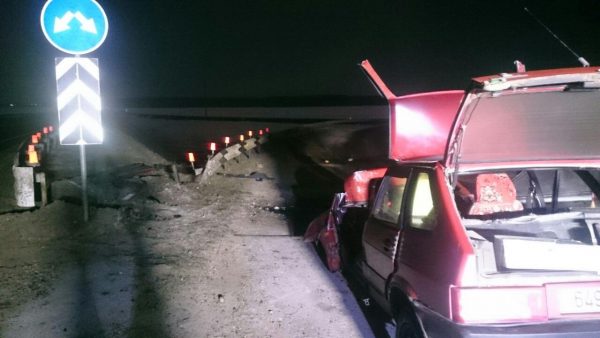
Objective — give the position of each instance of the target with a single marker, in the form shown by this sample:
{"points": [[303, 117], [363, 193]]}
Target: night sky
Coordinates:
{"points": [[199, 49]]}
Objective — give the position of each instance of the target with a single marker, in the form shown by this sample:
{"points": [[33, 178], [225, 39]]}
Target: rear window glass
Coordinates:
{"points": [[422, 212], [389, 200]]}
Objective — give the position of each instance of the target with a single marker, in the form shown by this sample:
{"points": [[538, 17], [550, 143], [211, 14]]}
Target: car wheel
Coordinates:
{"points": [[407, 326]]}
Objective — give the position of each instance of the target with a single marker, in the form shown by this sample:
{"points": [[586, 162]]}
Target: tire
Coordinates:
{"points": [[407, 325]]}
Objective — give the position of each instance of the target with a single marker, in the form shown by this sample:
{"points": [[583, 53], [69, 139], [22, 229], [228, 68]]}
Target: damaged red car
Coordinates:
{"points": [[487, 223]]}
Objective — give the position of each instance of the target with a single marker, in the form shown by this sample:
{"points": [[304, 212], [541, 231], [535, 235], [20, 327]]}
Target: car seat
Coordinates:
{"points": [[494, 193]]}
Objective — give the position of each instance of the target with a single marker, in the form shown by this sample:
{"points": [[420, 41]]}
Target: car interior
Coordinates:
{"points": [[558, 203]]}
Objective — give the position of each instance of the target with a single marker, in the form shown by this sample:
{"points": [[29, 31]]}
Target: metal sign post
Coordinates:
{"points": [[79, 109], [84, 197], [77, 27]]}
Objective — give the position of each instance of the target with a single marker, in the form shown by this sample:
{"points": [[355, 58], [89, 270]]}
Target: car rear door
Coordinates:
{"points": [[382, 230]]}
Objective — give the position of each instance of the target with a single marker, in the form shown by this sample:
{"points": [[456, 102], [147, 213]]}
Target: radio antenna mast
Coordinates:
{"points": [[579, 58]]}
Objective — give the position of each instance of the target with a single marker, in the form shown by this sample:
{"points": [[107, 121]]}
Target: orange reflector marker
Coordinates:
{"points": [[33, 157], [39, 134], [45, 130], [227, 141], [212, 147], [34, 139], [249, 133], [191, 157], [242, 138]]}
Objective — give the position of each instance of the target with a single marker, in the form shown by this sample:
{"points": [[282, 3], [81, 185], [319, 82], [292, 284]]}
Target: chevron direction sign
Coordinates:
{"points": [[74, 26], [79, 104]]}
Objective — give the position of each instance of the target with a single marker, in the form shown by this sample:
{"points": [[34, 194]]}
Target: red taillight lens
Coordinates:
{"points": [[498, 305]]}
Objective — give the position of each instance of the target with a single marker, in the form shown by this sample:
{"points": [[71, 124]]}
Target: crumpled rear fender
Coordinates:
{"points": [[324, 230], [330, 244], [315, 227]]}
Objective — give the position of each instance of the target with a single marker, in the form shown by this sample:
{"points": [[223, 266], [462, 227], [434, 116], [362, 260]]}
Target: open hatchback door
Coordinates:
{"points": [[524, 119], [420, 123], [502, 120]]}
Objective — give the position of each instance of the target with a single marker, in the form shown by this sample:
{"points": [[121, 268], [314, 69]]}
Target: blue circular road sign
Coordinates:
{"points": [[74, 26]]}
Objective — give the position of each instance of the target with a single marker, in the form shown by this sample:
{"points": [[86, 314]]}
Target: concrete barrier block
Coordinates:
{"points": [[233, 152], [250, 144], [263, 139], [24, 186], [212, 165]]}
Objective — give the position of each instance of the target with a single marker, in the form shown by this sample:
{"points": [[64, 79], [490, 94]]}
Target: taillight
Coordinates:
{"points": [[498, 305]]}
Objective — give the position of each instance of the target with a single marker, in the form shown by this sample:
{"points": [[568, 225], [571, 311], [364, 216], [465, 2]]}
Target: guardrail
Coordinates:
{"points": [[217, 160]]}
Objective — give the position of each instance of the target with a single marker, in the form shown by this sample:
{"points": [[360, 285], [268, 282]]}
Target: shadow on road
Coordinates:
{"points": [[148, 309], [312, 187]]}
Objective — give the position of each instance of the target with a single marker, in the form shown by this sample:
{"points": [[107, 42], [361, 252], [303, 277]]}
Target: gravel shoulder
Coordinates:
{"points": [[158, 259]]}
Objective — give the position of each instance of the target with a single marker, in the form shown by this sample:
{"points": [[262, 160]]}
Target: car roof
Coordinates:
{"points": [[539, 77]]}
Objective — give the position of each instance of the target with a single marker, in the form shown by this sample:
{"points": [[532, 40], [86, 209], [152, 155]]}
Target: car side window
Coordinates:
{"points": [[422, 213], [389, 199]]}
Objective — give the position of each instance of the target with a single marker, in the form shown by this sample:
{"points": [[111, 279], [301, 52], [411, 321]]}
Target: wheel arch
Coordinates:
{"points": [[401, 299], [400, 294]]}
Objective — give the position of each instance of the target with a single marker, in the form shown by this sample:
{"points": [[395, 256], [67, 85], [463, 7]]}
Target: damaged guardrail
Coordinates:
{"points": [[233, 152], [219, 160], [30, 186]]}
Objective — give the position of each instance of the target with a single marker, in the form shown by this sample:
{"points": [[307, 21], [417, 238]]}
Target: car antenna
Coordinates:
{"points": [[581, 59]]}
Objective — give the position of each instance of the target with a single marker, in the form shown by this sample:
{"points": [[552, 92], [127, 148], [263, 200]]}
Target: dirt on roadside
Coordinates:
{"points": [[161, 259]]}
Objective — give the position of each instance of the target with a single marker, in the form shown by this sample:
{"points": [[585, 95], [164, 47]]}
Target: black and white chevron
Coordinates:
{"points": [[78, 100]]}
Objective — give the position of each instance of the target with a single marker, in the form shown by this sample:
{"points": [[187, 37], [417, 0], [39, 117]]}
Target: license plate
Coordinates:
{"points": [[579, 300]]}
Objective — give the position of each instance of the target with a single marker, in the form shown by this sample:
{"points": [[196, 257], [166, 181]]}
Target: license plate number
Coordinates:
{"points": [[579, 300]]}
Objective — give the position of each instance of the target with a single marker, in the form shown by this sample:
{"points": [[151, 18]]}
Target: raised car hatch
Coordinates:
{"points": [[419, 123], [551, 115]]}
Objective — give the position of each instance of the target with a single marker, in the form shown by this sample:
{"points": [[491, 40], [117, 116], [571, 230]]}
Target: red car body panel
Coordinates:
{"points": [[419, 123], [419, 253], [322, 230], [356, 185]]}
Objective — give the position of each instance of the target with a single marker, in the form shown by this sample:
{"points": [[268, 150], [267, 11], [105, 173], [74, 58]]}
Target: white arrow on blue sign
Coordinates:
{"points": [[74, 26]]}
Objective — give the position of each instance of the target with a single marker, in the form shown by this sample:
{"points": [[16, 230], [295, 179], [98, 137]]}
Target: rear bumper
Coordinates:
{"points": [[436, 325]]}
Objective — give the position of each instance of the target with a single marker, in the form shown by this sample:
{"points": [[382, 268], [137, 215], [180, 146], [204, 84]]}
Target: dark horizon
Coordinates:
{"points": [[197, 102], [270, 49]]}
